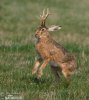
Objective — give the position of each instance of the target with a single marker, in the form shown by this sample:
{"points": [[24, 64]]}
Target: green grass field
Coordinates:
{"points": [[18, 22]]}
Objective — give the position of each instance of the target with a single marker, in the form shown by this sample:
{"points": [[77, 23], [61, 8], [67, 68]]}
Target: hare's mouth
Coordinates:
{"points": [[36, 35]]}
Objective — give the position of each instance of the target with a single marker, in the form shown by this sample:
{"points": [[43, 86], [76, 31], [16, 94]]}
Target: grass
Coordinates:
{"points": [[18, 22]]}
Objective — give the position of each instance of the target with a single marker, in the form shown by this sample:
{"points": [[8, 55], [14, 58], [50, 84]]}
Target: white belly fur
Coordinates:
{"points": [[52, 63]]}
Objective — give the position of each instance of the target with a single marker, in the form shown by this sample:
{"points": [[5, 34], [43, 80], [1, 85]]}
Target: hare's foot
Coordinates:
{"points": [[34, 70], [67, 76], [39, 73]]}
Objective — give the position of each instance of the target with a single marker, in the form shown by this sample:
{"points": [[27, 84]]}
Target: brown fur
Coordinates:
{"points": [[51, 52]]}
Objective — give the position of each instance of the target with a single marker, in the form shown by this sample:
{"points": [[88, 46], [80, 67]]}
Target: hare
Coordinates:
{"points": [[52, 53]]}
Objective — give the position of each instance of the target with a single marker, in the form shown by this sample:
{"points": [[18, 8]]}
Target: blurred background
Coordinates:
{"points": [[19, 20]]}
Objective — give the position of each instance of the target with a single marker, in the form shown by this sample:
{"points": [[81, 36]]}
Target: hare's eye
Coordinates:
{"points": [[42, 29]]}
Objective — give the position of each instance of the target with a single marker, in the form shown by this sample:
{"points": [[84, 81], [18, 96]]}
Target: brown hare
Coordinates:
{"points": [[49, 51]]}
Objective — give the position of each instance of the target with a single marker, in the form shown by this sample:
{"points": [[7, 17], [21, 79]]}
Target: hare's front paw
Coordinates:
{"points": [[34, 70], [39, 73]]}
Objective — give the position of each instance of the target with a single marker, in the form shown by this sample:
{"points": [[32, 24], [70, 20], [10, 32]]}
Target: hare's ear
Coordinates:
{"points": [[54, 28]]}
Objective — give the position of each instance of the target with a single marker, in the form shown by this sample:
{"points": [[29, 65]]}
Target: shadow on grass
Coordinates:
{"points": [[34, 79], [47, 82]]}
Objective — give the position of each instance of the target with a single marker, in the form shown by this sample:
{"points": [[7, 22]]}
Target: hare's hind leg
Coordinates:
{"points": [[68, 69], [37, 64]]}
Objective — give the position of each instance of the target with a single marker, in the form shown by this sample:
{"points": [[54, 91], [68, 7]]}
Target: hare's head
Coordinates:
{"points": [[43, 30]]}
